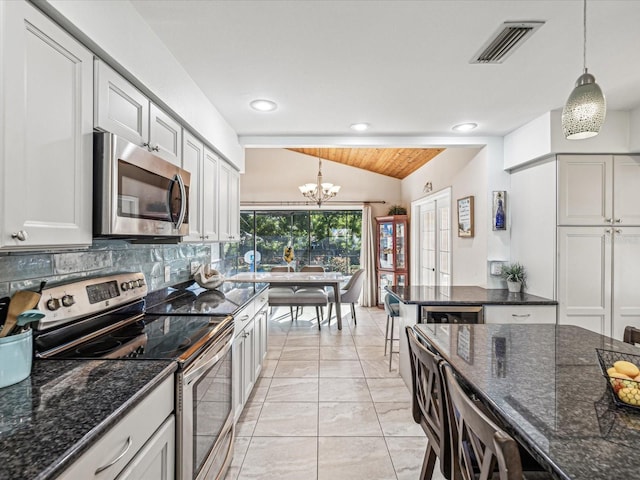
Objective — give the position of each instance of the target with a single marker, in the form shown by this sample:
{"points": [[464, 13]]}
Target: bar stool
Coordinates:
{"points": [[392, 307]]}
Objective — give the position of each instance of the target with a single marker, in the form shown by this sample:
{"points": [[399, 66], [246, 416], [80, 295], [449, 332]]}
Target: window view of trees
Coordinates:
{"points": [[331, 239]]}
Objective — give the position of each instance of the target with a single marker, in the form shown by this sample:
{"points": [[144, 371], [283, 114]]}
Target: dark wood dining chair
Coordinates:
{"points": [[631, 335], [428, 406], [480, 448]]}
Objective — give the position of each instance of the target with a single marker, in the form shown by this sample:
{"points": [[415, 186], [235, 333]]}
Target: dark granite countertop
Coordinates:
{"points": [[464, 295], [48, 420], [194, 300], [545, 383]]}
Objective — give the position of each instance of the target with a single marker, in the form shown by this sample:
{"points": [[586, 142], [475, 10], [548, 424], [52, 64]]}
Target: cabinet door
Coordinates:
{"points": [[584, 277], [165, 135], [585, 195], [229, 195], [237, 367], [520, 314], [260, 342], [626, 279], [626, 194], [192, 161], [120, 108], [210, 204], [385, 245], [156, 460], [47, 112], [248, 371]]}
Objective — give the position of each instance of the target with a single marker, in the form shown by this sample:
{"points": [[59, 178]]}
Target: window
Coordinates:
{"points": [[329, 238]]}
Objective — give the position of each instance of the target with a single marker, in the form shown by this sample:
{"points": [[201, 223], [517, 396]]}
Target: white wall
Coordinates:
{"points": [[120, 33], [274, 174], [466, 170]]}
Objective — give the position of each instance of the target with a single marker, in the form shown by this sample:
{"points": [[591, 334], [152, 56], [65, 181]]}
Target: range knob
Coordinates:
{"points": [[68, 300], [141, 282], [125, 286], [53, 304]]}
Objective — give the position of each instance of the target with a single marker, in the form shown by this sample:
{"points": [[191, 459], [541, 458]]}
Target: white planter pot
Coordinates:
{"points": [[514, 287]]}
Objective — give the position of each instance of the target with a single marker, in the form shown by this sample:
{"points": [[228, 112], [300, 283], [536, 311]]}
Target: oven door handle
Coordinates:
{"points": [[183, 201], [207, 363]]}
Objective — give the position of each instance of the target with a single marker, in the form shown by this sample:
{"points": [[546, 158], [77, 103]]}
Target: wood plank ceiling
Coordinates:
{"points": [[394, 162]]}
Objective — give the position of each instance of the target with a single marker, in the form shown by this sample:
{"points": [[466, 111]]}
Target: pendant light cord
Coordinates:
{"points": [[584, 44]]}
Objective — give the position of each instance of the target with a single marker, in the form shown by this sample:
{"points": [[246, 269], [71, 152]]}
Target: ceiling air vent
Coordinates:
{"points": [[507, 38]]}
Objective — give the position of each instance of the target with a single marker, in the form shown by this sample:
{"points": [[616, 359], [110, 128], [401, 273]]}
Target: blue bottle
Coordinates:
{"points": [[499, 223]]}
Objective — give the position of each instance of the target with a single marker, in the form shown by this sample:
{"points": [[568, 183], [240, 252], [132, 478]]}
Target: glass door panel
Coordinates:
{"points": [[400, 246], [386, 245]]}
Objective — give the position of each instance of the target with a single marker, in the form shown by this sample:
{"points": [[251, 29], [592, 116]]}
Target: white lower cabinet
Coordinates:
{"points": [[144, 436], [520, 313], [249, 349], [157, 459]]}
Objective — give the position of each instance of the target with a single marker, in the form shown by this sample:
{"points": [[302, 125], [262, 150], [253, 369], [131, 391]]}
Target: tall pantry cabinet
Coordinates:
{"points": [[598, 234]]}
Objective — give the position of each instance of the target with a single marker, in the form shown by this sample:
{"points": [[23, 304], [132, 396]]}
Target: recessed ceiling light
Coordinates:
{"points": [[359, 127], [464, 127], [263, 105]]}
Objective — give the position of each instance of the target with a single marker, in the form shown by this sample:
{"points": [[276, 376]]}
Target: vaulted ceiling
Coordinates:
{"points": [[394, 162]]}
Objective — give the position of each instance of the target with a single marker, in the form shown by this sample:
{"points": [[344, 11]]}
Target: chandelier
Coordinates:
{"points": [[319, 192]]}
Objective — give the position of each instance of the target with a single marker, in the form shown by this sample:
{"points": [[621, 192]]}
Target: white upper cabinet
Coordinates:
{"points": [[598, 190], [46, 133], [229, 224], [122, 109], [626, 189], [585, 193], [203, 191]]}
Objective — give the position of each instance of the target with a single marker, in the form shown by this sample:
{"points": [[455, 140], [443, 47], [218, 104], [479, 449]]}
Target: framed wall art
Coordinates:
{"points": [[465, 217]]}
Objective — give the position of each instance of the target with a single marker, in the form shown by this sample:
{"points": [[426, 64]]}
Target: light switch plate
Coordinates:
{"points": [[167, 274]]}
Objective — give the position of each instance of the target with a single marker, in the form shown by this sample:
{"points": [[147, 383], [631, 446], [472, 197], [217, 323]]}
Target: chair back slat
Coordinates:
{"points": [[631, 335], [428, 399], [481, 445], [312, 268], [282, 268]]}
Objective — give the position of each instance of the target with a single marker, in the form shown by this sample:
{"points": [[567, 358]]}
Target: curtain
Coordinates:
{"points": [[368, 297]]}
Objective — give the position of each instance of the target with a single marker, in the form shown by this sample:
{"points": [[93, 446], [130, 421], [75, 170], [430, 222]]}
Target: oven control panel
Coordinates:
{"points": [[67, 302]]}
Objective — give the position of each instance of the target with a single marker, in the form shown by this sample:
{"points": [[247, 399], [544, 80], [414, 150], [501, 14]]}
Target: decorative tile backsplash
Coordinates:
{"points": [[19, 271]]}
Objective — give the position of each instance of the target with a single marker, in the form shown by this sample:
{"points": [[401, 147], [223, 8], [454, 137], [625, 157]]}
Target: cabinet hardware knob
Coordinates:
{"points": [[146, 144], [156, 148], [607, 230], [618, 220], [607, 220], [618, 230], [21, 235], [525, 315]]}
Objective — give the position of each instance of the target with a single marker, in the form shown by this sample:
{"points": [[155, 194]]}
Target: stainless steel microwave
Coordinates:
{"points": [[136, 193]]}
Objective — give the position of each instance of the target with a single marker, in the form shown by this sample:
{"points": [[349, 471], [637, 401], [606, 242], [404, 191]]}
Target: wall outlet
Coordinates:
{"points": [[194, 267], [167, 274]]}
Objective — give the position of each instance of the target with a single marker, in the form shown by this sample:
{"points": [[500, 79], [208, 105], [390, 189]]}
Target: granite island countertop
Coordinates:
{"points": [[49, 419], [546, 385], [464, 295]]}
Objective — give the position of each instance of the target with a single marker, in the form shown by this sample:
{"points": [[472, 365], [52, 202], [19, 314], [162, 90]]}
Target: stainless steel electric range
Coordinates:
{"points": [[106, 318]]}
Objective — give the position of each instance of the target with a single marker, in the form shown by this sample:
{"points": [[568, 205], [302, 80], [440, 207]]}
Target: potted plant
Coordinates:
{"points": [[515, 275], [397, 210]]}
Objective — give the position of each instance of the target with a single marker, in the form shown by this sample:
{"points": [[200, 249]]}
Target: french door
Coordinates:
{"points": [[431, 235]]}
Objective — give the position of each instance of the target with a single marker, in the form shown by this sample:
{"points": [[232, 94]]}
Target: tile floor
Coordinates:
{"points": [[327, 407]]}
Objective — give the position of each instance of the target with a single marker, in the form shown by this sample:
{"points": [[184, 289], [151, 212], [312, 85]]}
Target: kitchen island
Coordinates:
{"points": [[464, 304], [545, 384]]}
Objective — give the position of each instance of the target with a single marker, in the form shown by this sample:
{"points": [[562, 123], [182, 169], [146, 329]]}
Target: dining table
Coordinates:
{"points": [[545, 385], [297, 279]]}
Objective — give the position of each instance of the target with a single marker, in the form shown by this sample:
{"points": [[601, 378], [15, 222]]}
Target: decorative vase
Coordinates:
{"points": [[514, 287]]}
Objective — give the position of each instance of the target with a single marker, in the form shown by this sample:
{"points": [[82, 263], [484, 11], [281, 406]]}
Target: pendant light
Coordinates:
{"points": [[586, 107]]}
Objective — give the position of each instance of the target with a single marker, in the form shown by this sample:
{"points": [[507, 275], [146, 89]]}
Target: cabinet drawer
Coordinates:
{"points": [[520, 314], [243, 316], [125, 438], [260, 301]]}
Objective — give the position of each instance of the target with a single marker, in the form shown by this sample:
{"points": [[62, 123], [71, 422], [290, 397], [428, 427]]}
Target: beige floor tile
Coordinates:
{"points": [[274, 354], [347, 352], [247, 422], [260, 390], [354, 458], [303, 341], [294, 419], [296, 368], [300, 353], [396, 420], [407, 455], [285, 458], [388, 390], [372, 331], [369, 340], [240, 446], [268, 367], [336, 340], [371, 353], [293, 390], [379, 368], [348, 419], [340, 368], [344, 390]]}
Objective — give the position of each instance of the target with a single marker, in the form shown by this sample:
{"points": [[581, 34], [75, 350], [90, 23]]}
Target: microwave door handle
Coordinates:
{"points": [[183, 202]]}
